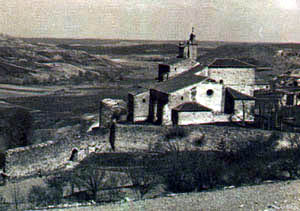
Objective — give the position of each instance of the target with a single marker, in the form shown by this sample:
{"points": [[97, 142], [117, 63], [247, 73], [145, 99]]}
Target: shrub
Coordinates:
{"points": [[57, 182], [199, 141], [3, 204], [87, 177], [42, 196], [142, 181], [176, 132], [19, 128]]}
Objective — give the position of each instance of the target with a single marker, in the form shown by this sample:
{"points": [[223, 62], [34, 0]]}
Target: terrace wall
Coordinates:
{"points": [[44, 158], [51, 155]]}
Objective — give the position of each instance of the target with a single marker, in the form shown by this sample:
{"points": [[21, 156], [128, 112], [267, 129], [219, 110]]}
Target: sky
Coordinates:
{"points": [[216, 20]]}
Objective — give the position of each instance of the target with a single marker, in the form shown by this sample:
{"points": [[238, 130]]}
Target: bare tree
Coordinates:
{"points": [[142, 181], [88, 178], [17, 197]]}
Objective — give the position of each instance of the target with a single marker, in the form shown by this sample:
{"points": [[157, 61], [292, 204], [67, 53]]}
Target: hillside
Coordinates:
{"points": [[274, 196], [26, 63]]}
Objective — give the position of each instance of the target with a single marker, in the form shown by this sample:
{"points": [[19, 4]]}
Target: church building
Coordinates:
{"points": [[189, 93]]}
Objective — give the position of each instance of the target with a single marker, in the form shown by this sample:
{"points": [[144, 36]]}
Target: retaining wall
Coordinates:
{"points": [[46, 157], [31, 160]]}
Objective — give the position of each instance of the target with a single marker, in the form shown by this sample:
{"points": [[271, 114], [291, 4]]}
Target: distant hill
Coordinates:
{"points": [[76, 61], [280, 57], [22, 62]]}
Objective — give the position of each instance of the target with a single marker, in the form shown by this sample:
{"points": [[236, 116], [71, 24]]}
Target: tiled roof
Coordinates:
{"points": [[195, 69], [238, 95], [230, 63], [267, 94], [257, 63], [181, 61], [137, 90], [191, 106], [179, 82]]}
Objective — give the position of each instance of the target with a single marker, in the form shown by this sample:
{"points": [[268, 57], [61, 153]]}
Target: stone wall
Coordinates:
{"points": [[141, 107], [200, 117], [181, 67], [136, 137], [211, 96], [195, 93], [230, 76], [112, 109], [46, 157], [133, 138], [243, 110]]}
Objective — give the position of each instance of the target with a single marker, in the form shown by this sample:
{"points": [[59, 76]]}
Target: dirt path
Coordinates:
{"points": [[274, 196]]}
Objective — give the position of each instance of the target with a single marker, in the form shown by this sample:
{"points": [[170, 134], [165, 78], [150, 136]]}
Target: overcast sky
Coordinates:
{"points": [[228, 20]]}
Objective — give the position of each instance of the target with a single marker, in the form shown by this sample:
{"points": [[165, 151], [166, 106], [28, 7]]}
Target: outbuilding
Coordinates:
{"points": [[191, 113], [138, 105]]}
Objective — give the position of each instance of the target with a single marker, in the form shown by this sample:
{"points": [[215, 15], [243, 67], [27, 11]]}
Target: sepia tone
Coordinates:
{"points": [[112, 105]]}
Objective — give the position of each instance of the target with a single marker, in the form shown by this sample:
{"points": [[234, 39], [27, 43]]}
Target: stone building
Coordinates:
{"points": [[189, 93], [278, 108], [239, 105], [175, 67], [112, 110], [191, 113], [224, 88], [290, 78], [186, 88], [233, 73], [186, 59], [188, 49], [138, 105]]}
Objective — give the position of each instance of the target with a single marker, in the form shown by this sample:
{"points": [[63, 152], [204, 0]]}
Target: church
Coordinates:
{"points": [[189, 93]]}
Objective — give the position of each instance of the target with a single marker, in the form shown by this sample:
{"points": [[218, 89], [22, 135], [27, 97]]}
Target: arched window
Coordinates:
{"points": [[221, 81], [144, 100]]}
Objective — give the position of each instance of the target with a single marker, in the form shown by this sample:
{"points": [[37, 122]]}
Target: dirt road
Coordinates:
{"points": [[273, 196]]}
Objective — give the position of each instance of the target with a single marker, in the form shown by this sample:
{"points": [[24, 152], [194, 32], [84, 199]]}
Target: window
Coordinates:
{"points": [[209, 92], [290, 99], [181, 97], [221, 81], [144, 100]]}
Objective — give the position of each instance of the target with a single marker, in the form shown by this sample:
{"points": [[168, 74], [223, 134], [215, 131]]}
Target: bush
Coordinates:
{"points": [[57, 182], [19, 128], [199, 141], [176, 132], [3, 204], [142, 181], [42, 196]]}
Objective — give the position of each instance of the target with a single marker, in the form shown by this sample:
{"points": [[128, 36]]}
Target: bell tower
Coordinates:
{"points": [[192, 46], [188, 49]]}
